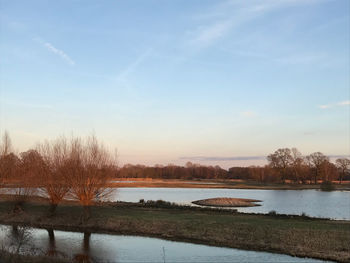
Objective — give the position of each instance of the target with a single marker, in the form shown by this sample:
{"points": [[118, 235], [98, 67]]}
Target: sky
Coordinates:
{"points": [[171, 81]]}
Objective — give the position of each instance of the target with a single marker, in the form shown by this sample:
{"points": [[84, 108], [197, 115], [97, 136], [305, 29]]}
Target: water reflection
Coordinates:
{"points": [[84, 256], [87, 247], [25, 240], [51, 249], [17, 239]]}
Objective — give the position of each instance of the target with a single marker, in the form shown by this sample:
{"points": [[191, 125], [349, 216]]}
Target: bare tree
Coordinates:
{"points": [[9, 166], [297, 164], [6, 159], [343, 164], [56, 156], [315, 161], [328, 171], [19, 237], [24, 179], [281, 160], [12, 173], [6, 144], [90, 169], [257, 173]]}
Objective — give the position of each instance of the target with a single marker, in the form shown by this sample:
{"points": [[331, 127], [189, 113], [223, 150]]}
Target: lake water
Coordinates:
{"points": [[315, 203], [118, 248], [335, 204]]}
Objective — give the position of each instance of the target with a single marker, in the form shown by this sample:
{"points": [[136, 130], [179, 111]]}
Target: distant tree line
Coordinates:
{"points": [[289, 165], [189, 172], [284, 165]]}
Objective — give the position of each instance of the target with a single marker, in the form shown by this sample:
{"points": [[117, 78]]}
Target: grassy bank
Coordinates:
{"points": [[297, 236]]}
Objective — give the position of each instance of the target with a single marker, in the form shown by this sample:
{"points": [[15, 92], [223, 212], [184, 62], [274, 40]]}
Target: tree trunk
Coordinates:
{"points": [[51, 234], [316, 174], [87, 212], [18, 207], [52, 209], [15, 230], [52, 246]]}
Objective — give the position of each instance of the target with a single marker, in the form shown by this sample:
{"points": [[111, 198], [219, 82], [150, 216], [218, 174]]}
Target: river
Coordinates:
{"points": [[120, 248]]}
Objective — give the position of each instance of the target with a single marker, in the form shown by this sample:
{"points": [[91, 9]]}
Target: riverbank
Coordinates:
{"points": [[292, 235], [218, 184]]}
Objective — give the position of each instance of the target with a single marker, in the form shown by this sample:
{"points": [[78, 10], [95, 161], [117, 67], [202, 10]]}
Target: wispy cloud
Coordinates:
{"points": [[60, 53], [26, 105], [221, 158], [132, 66], [248, 114], [325, 106], [206, 35], [338, 104], [344, 103], [224, 17], [50, 47]]}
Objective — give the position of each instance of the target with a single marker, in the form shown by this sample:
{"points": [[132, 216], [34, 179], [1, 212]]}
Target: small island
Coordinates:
{"points": [[227, 202]]}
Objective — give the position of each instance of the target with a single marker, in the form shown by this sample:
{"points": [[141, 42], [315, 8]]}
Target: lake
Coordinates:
{"points": [[315, 203], [119, 248]]}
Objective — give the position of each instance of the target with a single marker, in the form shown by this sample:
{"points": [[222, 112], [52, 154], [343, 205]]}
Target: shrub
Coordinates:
{"points": [[272, 213], [327, 186], [304, 215]]}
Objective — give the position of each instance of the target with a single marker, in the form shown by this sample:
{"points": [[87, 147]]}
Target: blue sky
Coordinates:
{"points": [[174, 81]]}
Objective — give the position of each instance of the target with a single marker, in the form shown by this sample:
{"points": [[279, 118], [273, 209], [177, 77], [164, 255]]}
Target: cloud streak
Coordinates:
{"points": [[13, 103], [132, 67], [344, 103], [205, 36], [326, 106], [338, 104], [231, 14], [50, 47], [248, 114]]}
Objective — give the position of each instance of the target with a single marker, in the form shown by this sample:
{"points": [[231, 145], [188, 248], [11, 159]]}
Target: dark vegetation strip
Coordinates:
{"points": [[294, 235]]}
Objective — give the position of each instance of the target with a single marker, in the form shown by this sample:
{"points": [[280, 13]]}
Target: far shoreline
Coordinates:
{"points": [[216, 184]]}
